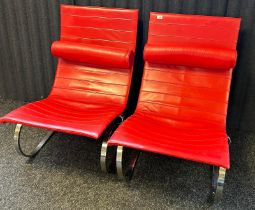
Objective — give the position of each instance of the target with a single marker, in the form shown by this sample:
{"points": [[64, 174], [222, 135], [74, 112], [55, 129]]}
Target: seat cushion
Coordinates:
{"points": [[205, 144], [65, 116]]}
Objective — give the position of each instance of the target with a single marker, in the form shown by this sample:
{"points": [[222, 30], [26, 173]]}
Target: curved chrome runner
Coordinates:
{"points": [[37, 148], [218, 179], [104, 147], [121, 171], [103, 156], [119, 158]]}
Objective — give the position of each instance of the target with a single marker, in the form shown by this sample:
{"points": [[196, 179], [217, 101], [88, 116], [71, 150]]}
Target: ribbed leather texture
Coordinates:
{"points": [[99, 26], [28, 28], [91, 54], [85, 97], [192, 55], [96, 25], [188, 29], [182, 110]]}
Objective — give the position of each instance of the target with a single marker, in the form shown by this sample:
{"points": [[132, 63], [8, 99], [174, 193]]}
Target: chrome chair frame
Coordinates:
{"points": [[36, 150], [114, 162], [105, 161], [126, 173], [218, 173], [218, 180]]}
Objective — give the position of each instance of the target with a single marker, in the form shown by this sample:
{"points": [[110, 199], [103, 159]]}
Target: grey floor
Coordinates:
{"points": [[66, 175]]}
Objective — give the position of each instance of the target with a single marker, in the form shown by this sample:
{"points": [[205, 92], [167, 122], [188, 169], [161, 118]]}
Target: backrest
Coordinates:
{"points": [[95, 29], [185, 95], [206, 30]]}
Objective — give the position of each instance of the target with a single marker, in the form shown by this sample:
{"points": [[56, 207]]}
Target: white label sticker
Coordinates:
{"points": [[159, 17]]}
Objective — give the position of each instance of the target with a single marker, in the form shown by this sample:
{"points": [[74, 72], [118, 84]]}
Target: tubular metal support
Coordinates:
{"points": [[218, 179], [121, 171], [107, 156], [37, 148], [119, 158], [229, 140], [103, 156]]}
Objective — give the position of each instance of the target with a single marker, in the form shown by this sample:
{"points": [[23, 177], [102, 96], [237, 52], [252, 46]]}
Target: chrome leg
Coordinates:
{"points": [[37, 148], [218, 179], [229, 140], [107, 157], [103, 156], [122, 171], [119, 158]]}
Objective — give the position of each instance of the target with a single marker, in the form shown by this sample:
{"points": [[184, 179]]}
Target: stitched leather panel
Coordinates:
{"points": [[87, 97], [196, 29], [96, 25], [182, 110], [65, 116], [170, 137]]}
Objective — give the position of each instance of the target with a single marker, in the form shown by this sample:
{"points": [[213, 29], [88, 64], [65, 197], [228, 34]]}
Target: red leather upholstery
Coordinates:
{"points": [[191, 55], [93, 75], [91, 54], [182, 108]]}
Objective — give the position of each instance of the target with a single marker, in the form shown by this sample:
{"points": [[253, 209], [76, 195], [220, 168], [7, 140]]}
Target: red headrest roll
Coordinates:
{"points": [[191, 55], [93, 54]]}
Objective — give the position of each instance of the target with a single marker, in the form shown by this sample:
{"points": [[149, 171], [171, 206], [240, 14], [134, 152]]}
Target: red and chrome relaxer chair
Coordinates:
{"points": [[95, 65], [183, 100]]}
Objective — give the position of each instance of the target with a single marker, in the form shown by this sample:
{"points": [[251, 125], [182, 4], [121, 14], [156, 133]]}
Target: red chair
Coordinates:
{"points": [[96, 52], [183, 100]]}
